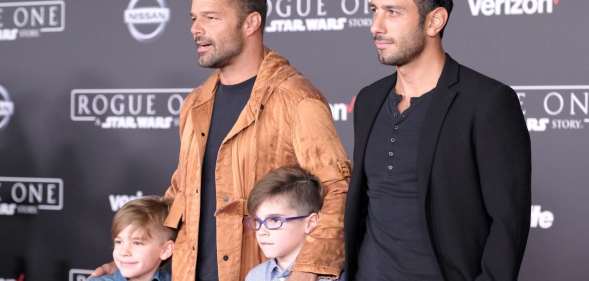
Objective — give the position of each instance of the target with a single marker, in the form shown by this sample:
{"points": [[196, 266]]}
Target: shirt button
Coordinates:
{"points": [[396, 127], [393, 140], [391, 153], [390, 167], [225, 199], [225, 257]]}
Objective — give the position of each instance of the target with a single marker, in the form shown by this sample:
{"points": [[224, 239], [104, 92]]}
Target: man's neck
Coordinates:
{"points": [[421, 75], [243, 67]]}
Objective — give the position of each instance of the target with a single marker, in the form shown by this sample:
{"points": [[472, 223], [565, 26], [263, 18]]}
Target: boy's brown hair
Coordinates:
{"points": [[147, 213], [301, 189]]}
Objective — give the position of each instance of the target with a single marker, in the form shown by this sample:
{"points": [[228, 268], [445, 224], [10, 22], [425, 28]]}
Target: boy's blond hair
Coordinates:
{"points": [[146, 213]]}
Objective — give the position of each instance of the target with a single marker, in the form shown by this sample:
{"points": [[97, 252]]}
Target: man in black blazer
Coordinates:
{"points": [[441, 182]]}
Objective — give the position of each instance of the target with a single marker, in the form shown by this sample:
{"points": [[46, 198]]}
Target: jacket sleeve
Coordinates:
{"points": [[319, 150], [503, 156]]}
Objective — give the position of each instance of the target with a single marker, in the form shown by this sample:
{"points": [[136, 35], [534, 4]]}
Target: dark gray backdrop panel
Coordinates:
{"points": [[544, 56]]}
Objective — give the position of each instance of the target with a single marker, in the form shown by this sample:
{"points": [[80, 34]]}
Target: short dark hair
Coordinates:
{"points": [[146, 213], [249, 6], [301, 189], [426, 6]]}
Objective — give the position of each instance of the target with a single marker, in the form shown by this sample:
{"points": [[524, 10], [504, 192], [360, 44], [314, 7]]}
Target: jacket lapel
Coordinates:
{"points": [[444, 95], [202, 111]]}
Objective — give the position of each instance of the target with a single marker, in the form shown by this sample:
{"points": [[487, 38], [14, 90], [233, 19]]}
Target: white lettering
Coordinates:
{"points": [[117, 201], [175, 104], [95, 106], [8, 34], [538, 125], [539, 218], [51, 194], [20, 17], [83, 104], [521, 96], [16, 189], [559, 103], [510, 7], [339, 111], [7, 210], [583, 105], [150, 103]]}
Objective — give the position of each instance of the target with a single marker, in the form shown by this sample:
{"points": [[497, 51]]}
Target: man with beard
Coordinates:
{"points": [[254, 114], [441, 181]]}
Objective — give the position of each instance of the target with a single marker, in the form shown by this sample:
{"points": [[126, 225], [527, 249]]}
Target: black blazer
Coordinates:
{"points": [[473, 170]]}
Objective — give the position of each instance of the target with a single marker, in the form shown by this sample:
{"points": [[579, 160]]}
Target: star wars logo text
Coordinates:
{"points": [[128, 108], [554, 107], [30, 19], [29, 195], [317, 15]]}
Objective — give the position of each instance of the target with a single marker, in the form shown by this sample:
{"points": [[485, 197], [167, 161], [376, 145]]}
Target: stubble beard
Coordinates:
{"points": [[409, 49], [220, 58]]}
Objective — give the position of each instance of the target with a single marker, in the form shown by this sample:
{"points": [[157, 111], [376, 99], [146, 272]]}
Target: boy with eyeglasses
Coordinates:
{"points": [[283, 210]]}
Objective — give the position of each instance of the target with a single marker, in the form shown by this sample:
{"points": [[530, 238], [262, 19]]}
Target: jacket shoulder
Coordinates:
{"points": [[476, 82], [296, 88]]}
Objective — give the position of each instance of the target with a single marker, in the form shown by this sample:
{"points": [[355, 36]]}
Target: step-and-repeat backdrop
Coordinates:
{"points": [[90, 93]]}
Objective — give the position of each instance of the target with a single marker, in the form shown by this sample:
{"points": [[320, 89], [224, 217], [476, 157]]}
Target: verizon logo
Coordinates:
{"points": [[511, 7]]}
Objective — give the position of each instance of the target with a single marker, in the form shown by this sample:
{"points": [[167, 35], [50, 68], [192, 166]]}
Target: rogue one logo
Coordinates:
{"points": [[28, 195], [128, 108], [6, 107], [29, 19], [146, 23], [511, 7]]}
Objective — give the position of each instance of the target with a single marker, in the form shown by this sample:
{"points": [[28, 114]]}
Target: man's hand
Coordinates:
{"points": [[107, 268], [302, 276]]}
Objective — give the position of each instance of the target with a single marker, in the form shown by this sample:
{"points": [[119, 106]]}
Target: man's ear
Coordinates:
{"points": [[252, 23], [435, 21], [311, 222], [167, 250]]}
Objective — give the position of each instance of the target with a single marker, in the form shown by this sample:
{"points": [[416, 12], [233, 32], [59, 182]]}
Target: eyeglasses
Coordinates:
{"points": [[271, 223]]}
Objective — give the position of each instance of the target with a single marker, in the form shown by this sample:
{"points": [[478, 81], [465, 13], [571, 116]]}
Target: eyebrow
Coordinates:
{"points": [[275, 215], [142, 237], [388, 7], [205, 13]]}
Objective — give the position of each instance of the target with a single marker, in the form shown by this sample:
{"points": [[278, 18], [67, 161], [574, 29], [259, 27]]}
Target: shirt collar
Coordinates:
{"points": [[277, 272]]}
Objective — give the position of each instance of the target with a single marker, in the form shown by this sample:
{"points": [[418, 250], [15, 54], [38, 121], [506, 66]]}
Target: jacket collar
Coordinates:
{"points": [[272, 71]]}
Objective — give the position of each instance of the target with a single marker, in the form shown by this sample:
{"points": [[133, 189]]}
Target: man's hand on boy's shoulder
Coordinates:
{"points": [[302, 276], [107, 268]]}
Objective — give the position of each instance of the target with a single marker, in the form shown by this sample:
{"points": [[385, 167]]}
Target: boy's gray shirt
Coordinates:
{"points": [[270, 271]]}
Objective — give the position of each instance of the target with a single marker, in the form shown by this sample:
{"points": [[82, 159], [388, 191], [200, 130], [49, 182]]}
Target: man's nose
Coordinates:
{"points": [[377, 25], [196, 28]]}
